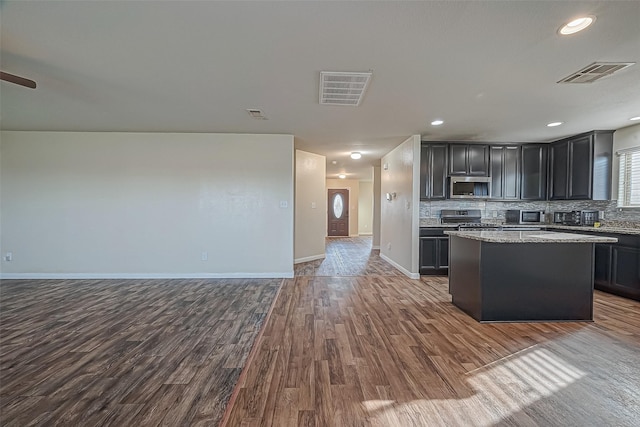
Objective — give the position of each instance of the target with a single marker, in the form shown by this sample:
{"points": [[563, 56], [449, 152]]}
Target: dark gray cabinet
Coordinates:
{"points": [[533, 179], [433, 171], [505, 172], [617, 266], [580, 167], [469, 159], [434, 251]]}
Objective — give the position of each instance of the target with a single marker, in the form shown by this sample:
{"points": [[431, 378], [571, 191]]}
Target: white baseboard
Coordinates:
{"points": [[377, 247], [365, 234], [66, 276], [309, 258], [401, 268]]}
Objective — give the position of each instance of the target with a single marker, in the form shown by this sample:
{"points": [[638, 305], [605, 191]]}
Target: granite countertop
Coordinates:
{"points": [[603, 229], [530, 237]]}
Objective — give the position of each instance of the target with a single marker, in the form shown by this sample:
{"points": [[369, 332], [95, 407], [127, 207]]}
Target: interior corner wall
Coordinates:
{"points": [[353, 186], [622, 139], [399, 217], [93, 204], [310, 207], [365, 208], [377, 202]]}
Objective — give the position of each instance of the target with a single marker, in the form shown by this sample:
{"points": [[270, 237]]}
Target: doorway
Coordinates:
{"points": [[338, 203]]}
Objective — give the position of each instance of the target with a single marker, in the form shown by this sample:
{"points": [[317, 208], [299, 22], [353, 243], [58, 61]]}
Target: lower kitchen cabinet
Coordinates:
{"points": [[617, 266], [434, 251]]}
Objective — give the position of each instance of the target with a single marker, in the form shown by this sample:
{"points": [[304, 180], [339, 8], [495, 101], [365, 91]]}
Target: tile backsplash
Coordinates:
{"points": [[495, 210]]}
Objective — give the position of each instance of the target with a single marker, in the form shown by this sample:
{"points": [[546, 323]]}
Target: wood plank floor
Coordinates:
{"points": [[125, 353], [348, 256], [390, 351]]}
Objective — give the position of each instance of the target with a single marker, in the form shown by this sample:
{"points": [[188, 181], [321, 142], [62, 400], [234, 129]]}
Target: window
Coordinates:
{"points": [[629, 182]]}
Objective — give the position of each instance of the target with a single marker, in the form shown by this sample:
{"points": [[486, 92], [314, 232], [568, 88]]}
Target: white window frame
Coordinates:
{"points": [[629, 178]]}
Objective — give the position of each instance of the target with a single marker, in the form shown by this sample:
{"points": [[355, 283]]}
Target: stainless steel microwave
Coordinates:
{"points": [[470, 187], [516, 216]]}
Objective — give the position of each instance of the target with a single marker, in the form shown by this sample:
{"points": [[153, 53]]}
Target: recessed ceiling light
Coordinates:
{"points": [[633, 119], [342, 176], [355, 155], [333, 162], [554, 124], [437, 122], [576, 25]]}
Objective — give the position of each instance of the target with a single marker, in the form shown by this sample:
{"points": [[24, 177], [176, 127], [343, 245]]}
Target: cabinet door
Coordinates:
{"points": [[428, 254], [443, 252], [559, 168], [505, 172], [478, 160], [497, 177], [533, 182], [511, 173], [580, 183], [457, 159], [433, 171], [626, 270], [602, 268]]}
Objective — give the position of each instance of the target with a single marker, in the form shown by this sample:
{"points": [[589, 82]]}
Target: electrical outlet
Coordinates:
{"points": [[204, 256], [283, 204], [389, 246], [313, 205], [8, 256]]}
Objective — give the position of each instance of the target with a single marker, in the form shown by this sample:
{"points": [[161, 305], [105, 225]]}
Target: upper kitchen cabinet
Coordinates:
{"points": [[533, 179], [469, 159], [505, 172], [433, 171], [580, 167]]}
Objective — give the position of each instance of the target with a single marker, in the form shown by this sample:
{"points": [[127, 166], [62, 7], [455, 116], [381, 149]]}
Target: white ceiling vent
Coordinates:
{"points": [[338, 88], [256, 113], [595, 71]]}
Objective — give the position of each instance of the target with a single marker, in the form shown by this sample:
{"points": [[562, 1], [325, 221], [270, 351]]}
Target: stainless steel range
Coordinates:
{"points": [[466, 219]]}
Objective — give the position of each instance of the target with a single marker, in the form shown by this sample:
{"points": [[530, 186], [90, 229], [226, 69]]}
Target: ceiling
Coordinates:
{"points": [[487, 68]]}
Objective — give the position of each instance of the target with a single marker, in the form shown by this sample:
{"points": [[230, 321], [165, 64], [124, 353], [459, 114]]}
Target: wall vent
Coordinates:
{"points": [[595, 71], [343, 88], [256, 113]]}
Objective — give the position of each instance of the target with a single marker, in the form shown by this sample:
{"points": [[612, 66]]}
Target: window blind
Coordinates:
{"points": [[629, 182]]}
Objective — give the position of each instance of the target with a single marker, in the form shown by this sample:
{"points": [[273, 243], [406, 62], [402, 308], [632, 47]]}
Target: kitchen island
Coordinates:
{"points": [[522, 276]]}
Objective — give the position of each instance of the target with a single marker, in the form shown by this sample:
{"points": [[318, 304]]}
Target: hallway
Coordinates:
{"points": [[348, 256]]}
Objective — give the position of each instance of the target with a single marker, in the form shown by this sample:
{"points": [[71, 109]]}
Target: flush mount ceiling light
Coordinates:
{"points": [[633, 119], [437, 122], [342, 176], [355, 155], [576, 25], [343, 88], [554, 124]]}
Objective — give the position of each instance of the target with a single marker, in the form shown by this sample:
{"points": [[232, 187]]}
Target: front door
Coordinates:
{"points": [[338, 213]]}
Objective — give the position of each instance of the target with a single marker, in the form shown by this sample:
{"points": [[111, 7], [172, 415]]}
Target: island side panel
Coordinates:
{"points": [[464, 275], [537, 281]]}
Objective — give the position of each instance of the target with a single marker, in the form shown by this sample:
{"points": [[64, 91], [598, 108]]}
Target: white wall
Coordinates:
{"points": [[622, 138], [310, 207], [377, 203], [353, 186], [365, 208], [399, 218], [146, 204]]}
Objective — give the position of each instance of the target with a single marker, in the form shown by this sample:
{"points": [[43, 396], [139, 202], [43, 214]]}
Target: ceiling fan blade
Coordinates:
{"points": [[17, 80]]}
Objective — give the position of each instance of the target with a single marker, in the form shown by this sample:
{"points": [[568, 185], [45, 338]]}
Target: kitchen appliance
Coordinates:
{"points": [[469, 187], [466, 219], [517, 216], [587, 218]]}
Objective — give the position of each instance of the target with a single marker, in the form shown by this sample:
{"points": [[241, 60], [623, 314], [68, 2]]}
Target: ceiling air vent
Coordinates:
{"points": [[595, 71], [338, 88]]}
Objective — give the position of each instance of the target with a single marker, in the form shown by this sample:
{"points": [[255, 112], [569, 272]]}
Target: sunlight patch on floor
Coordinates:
{"points": [[500, 391]]}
